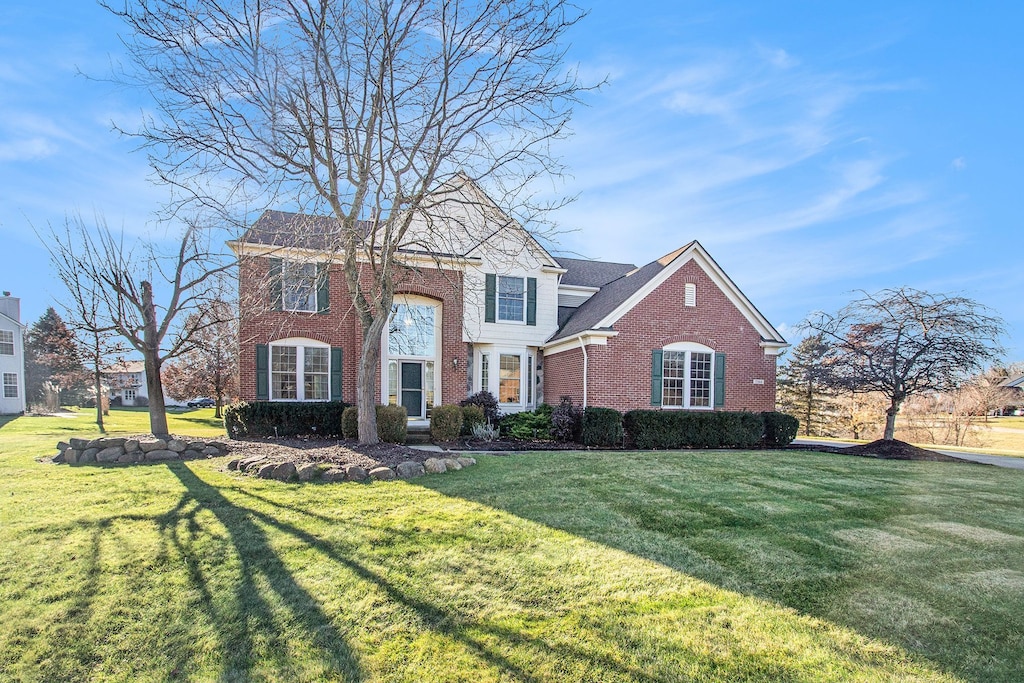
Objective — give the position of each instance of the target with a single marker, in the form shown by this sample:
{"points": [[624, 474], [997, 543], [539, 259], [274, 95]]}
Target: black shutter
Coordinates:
{"points": [[719, 380], [336, 358], [323, 283], [490, 297], [531, 301], [262, 372], [275, 284], [656, 373]]}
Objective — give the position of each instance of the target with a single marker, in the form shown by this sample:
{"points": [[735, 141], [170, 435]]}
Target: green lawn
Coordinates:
{"points": [[564, 566]]}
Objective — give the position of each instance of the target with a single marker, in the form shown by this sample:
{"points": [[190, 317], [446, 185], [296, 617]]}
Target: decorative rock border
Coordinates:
{"points": [[268, 467], [109, 449]]}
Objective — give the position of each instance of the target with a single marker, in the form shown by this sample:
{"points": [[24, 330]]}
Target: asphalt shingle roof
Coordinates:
{"points": [[585, 273], [607, 300]]}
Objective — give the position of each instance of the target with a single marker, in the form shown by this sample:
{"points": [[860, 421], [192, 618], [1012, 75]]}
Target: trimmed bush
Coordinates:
{"points": [[280, 418], [779, 429], [602, 427], [350, 422], [472, 415], [566, 421], [527, 426], [488, 403], [392, 424], [445, 423], [691, 429]]}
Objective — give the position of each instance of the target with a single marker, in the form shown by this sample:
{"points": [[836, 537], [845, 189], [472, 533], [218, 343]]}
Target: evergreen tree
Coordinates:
{"points": [[802, 392], [53, 367]]}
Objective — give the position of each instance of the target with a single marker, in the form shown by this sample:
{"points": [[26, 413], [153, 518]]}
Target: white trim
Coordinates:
{"points": [[590, 337], [242, 248], [687, 349], [773, 348]]}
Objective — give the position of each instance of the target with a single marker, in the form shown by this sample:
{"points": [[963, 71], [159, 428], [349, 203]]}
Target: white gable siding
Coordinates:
{"points": [[13, 365]]}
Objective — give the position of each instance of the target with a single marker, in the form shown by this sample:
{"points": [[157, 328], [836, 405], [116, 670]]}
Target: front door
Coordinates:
{"points": [[412, 388]]}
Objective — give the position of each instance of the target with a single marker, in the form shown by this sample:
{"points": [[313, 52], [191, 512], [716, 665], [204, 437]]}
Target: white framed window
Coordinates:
{"points": [[6, 343], [510, 378], [529, 379], [128, 395], [410, 353], [10, 385], [511, 299], [300, 370], [687, 377], [298, 286], [485, 371]]}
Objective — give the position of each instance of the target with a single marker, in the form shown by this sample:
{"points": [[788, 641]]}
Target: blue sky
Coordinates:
{"points": [[813, 148]]}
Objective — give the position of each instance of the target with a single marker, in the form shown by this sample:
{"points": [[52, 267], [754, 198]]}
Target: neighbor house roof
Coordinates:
{"points": [[126, 366], [1013, 382]]}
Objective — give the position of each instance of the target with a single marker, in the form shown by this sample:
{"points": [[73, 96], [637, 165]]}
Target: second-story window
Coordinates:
{"points": [[6, 343], [298, 286], [511, 298]]}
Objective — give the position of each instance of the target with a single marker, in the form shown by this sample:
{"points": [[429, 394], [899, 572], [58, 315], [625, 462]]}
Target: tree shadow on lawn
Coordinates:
{"points": [[777, 535]]}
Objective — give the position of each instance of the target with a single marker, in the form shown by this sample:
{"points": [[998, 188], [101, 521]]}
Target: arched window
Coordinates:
{"points": [[300, 370]]}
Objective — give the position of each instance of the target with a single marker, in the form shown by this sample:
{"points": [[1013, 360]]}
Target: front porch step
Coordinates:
{"points": [[418, 434]]}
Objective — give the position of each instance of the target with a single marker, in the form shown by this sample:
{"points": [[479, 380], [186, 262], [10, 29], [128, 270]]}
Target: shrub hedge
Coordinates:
{"points": [[472, 416], [487, 402], [445, 423], [721, 429], [527, 426], [602, 427], [779, 429], [392, 423], [280, 418]]}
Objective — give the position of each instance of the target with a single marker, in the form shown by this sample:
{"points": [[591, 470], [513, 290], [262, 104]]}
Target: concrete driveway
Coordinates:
{"points": [[1010, 462]]}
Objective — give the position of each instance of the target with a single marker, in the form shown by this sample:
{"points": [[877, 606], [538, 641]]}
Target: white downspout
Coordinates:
{"points": [[583, 348]]}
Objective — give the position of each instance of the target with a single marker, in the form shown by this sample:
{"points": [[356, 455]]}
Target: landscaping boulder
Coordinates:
{"points": [[177, 445], [409, 470], [131, 445], [59, 458], [148, 445], [333, 474], [211, 452], [233, 464], [190, 454], [285, 471], [306, 471], [71, 456], [382, 473], [163, 454], [466, 462], [356, 473], [78, 444], [89, 455], [435, 466], [451, 464], [63, 446], [267, 471]]}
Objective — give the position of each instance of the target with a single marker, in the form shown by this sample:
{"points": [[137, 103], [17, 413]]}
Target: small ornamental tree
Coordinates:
{"points": [[904, 341], [210, 367]]}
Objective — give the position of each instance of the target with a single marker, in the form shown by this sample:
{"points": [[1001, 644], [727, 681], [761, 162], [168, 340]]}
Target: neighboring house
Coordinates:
{"points": [[1015, 404], [493, 310], [127, 381], [12, 356]]}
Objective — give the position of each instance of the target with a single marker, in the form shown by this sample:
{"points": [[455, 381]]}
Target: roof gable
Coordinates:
{"points": [[617, 298]]}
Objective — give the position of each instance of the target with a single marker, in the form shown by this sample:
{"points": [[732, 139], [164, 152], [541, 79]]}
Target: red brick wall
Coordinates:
{"points": [[340, 326], [619, 374]]}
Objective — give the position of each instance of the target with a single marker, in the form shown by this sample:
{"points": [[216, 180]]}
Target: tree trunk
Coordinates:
{"points": [[218, 392], [366, 382], [890, 420], [151, 358], [97, 376]]}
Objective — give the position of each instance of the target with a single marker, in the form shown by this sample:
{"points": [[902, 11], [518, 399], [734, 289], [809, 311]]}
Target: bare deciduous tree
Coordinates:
{"points": [[904, 341], [118, 286], [360, 110], [210, 368]]}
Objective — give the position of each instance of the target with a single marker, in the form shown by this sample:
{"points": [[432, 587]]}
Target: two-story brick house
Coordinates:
{"points": [[481, 305]]}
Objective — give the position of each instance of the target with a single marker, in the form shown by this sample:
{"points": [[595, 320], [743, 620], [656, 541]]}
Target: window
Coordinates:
{"points": [[485, 371], [300, 373], [509, 378], [10, 385], [511, 298], [687, 378], [529, 379], [298, 286], [6, 343], [129, 395], [411, 331]]}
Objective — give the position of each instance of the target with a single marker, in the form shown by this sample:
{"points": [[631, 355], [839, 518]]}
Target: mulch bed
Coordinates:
{"points": [[338, 452], [884, 450]]}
